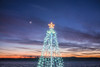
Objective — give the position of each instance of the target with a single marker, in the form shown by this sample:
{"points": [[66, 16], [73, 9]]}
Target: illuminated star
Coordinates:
{"points": [[30, 22], [51, 25]]}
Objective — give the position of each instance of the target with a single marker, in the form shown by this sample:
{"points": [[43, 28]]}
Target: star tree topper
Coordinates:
{"points": [[51, 25]]}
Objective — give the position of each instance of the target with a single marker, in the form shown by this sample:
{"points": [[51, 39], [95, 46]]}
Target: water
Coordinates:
{"points": [[34, 64], [82, 64], [18, 64]]}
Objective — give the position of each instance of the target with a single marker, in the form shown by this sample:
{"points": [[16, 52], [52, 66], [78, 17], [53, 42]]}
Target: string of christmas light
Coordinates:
{"points": [[50, 56]]}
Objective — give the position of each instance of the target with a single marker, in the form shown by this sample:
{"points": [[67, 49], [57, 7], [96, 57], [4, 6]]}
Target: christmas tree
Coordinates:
{"points": [[50, 56]]}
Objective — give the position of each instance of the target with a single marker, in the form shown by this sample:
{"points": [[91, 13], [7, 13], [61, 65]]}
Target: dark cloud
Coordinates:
{"points": [[93, 53], [4, 49], [80, 49], [24, 48], [75, 35], [29, 49], [28, 56], [92, 27], [31, 42], [69, 45], [74, 47]]}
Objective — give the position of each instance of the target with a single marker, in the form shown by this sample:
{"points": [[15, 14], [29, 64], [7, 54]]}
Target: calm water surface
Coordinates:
{"points": [[34, 64]]}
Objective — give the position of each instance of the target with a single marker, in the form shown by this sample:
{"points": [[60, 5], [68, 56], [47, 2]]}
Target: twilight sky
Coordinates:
{"points": [[77, 23]]}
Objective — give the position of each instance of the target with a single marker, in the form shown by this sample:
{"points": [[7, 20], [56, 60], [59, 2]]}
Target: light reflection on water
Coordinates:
{"points": [[34, 64]]}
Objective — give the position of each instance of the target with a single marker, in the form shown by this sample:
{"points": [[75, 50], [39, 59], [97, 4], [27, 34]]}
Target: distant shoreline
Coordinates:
{"points": [[36, 59]]}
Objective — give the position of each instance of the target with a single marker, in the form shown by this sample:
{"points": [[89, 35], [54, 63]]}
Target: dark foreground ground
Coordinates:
{"points": [[72, 62]]}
